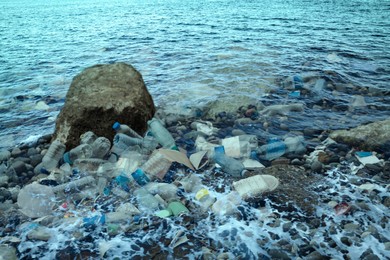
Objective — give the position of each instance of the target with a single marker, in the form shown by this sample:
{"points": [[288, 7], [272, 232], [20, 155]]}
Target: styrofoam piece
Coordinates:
{"points": [[255, 185], [372, 159], [252, 164], [232, 146], [206, 128]]}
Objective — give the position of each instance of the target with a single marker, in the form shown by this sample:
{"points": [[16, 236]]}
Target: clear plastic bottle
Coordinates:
{"points": [[156, 166], [53, 155], [88, 138], [140, 177], [125, 129], [146, 201], [273, 150], [83, 151], [161, 134], [228, 164], [100, 147], [193, 184]]}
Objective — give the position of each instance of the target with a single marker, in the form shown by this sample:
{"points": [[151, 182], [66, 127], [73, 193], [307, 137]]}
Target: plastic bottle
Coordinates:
{"points": [[228, 164], [146, 201], [83, 151], [74, 184], [140, 177], [53, 155], [297, 82], [161, 134], [124, 142], [100, 147], [125, 129], [89, 165], [273, 150], [167, 191], [194, 185], [156, 166], [88, 138]]}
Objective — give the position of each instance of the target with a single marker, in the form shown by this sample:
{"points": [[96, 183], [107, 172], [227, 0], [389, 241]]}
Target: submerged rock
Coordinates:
{"points": [[98, 97], [370, 136]]}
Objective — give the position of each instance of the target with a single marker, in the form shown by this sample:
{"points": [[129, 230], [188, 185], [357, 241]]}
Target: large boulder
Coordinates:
{"points": [[374, 136], [98, 97]]}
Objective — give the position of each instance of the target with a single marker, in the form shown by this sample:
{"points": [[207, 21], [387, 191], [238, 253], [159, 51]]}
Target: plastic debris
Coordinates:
{"points": [[342, 208], [367, 158], [36, 200], [255, 185]]}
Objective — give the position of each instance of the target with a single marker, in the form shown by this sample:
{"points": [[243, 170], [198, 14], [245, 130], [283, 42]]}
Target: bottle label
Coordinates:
{"points": [[201, 193]]}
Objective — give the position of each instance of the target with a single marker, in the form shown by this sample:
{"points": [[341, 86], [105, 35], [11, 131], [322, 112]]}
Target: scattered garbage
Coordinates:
{"points": [[367, 158]]}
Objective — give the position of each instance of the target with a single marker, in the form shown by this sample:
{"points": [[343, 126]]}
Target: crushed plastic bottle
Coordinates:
{"points": [[53, 155], [156, 166], [161, 134], [88, 137], [100, 147], [146, 201], [178, 208], [228, 164], [83, 151]]}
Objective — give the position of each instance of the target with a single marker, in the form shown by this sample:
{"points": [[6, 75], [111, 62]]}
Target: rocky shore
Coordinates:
{"points": [[328, 205], [329, 197]]}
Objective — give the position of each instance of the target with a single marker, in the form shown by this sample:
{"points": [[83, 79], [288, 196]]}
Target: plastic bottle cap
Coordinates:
{"points": [[219, 149], [67, 158], [116, 126]]}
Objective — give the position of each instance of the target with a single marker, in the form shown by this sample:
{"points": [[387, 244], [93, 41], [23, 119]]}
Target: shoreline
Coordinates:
{"points": [[297, 220]]}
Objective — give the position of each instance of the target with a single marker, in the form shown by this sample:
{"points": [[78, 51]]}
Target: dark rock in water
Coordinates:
{"points": [[98, 97]]}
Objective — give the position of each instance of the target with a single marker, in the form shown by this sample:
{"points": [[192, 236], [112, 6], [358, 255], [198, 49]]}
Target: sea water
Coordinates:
{"points": [[189, 52]]}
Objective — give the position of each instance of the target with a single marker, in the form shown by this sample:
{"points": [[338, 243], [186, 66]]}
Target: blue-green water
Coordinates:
{"points": [[189, 52]]}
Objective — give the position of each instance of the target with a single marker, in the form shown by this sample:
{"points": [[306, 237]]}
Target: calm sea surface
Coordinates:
{"points": [[189, 52]]}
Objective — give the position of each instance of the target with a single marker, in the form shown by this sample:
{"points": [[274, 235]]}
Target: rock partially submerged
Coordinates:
{"points": [[101, 95], [370, 137]]}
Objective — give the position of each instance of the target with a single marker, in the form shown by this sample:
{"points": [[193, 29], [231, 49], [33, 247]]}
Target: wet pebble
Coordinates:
{"points": [[278, 254], [40, 233], [5, 155], [17, 167], [3, 180], [32, 151], [316, 166], [16, 152]]}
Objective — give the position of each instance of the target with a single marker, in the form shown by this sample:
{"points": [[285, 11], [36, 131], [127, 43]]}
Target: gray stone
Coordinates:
{"points": [[316, 166], [367, 137], [17, 167], [5, 155], [8, 252], [315, 256], [237, 132], [3, 180], [40, 233], [287, 226], [278, 254], [16, 152], [35, 159], [351, 227], [31, 151], [98, 97]]}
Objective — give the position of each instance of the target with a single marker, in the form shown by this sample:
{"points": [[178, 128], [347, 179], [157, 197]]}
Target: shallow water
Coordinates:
{"points": [[189, 52]]}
